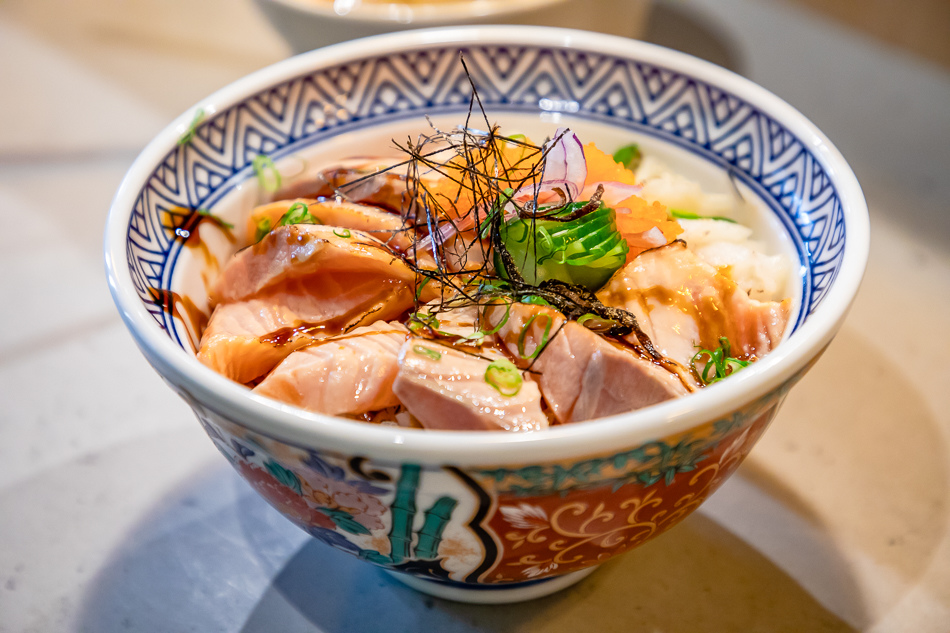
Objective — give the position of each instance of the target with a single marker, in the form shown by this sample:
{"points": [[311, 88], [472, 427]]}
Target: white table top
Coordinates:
{"points": [[117, 514]]}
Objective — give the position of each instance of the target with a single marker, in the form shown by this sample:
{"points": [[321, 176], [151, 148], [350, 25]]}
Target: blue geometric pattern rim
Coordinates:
{"points": [[649, 99]]}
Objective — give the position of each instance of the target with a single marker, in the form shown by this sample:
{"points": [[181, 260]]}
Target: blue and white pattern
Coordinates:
{"points": [[677, 108]]}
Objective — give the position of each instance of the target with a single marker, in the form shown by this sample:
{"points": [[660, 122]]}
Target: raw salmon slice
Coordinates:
{"points": [[387, 227], [349, 374], [582, 375], [445, 389], [681, 302], [299, 284]]}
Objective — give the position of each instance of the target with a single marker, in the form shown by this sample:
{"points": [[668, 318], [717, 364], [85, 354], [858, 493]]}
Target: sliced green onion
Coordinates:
{"points": [[492, 287], [298, 213], [345, 234], [264, 226], [544, 337], [504, 377], [595, 323], [422, 320], [267, 175], [476, 337], [421, 350], [689, 215], [501, 323], [421, 286], [215, 219], [720, 364], [534, 300], [189, 134], [629, 156]]}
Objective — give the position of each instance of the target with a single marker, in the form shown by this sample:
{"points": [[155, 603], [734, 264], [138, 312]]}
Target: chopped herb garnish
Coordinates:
{"points": [[534, 300], [421, 286], [501, 323], [689, 215], [344, 234], [298, 213], [629, 156], [422, 320], [264, 225], [544, 337], [267, 175], [189, 134], [215, 219], [504, 377], [719, 364], [421, 350], [595, 323]]}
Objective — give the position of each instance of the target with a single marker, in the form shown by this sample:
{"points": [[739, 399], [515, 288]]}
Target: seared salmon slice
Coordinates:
{"points": [[681, 302], [582, 375], [388, 228], [445, 388], [300, 251], [348, 374], [299, 284]]}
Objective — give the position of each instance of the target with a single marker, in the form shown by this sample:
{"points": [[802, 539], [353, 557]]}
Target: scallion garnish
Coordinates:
{"points": [[215, 219], [345, 234], [422, 320], [629, 156], [501, 323], [534, 300], [421, 286], [504, 377], [298, 213], [595, 323], [421, 350], [720, 363], [544, 337], [264, 226], [689, 215], [189, 134], [267, 175]]}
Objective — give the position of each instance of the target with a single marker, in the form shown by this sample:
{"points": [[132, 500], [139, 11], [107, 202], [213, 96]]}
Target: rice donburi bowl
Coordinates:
{"points": [[452, 511]]}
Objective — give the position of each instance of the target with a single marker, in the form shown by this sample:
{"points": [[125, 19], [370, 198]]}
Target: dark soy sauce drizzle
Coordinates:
{"points": [[194, 319], [183, 224]]}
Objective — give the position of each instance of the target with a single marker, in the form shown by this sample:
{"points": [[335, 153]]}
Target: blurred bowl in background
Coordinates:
{"points": [[309, 24]]}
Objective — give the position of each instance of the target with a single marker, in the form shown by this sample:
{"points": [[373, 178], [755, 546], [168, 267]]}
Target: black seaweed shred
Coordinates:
{"points": [[475, 162]]}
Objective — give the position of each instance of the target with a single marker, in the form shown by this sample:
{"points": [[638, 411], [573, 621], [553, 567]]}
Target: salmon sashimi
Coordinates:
{"points": [[349, 374], [681, 302], [445, 388], [452, 316], [387, 227], [582, 376], [300, 283], [379, 182], [307, 252]]}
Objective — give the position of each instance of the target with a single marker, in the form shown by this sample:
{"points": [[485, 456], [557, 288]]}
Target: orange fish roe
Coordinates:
{"points": [[601, 167], [635, 216]]}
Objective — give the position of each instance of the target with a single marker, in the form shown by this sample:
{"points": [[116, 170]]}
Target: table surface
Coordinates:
{"points": [[117, 514]]}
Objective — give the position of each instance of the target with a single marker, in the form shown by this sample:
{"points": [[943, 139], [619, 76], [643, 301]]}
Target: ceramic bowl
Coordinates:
{"points": [[490, 516], [309, 24]]}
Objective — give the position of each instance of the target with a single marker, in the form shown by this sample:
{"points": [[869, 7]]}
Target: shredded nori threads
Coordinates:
{"points": [[474, 160]]}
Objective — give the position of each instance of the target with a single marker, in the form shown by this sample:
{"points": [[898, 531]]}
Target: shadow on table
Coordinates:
{"points": [[216, 557], [697, 577], [836, 469]]}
